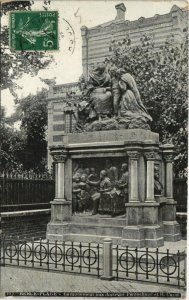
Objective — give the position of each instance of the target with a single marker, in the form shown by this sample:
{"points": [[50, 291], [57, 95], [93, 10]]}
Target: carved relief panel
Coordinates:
{"points": [[99, 186]]}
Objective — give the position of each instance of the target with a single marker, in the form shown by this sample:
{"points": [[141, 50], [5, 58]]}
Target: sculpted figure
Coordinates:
{"points": [[131, 103], [116, 91], [87, 171], [93, 175], [99, 77], [105, 182], [112, 172], [78, 170], [84, 196], [123, 182], [82, 114], [76, 190], [110, 102], [103, 185], [158, 187], [99, 92], [82, 83]]}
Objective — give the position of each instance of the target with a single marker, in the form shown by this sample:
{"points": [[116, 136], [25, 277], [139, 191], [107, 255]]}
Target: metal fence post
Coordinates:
{"points": [[107, 259]]}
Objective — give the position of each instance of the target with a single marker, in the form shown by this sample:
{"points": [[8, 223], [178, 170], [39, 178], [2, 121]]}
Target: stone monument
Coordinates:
{"points": [[113, 178]]}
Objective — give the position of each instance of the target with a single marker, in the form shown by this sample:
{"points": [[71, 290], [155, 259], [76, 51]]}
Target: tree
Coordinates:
{"points": [[32, 111], [11, 149], [162, 79], [15, 63], [26, 149]]}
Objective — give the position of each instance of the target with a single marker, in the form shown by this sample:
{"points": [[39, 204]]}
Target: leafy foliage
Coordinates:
{"points": [[15, 5], [161, 76], [32, 111], [15, 63], [25, 149], [11, 150]]}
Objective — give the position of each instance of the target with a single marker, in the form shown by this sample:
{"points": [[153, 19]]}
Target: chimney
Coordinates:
{"points": [[121, 9]]}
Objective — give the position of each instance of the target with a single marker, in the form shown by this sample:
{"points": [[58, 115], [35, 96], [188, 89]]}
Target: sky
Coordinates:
{"points": [[68, 68]]}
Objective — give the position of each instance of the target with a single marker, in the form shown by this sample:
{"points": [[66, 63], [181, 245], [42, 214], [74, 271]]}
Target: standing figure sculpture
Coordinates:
{"points": [[76, 191], [111, 171], [84, 195], [116, 91], [123, 183]]}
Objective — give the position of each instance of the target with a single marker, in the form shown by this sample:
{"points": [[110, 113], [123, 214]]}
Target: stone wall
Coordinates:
{"points": [[25, 224]]}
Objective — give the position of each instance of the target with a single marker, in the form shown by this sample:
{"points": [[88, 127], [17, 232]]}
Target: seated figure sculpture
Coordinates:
{"points": [[111, 101], [99, 91], [119, 194]]}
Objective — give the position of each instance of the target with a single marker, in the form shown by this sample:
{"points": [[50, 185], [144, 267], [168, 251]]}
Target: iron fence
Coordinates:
{"points": [[105, 260], [74, 257], [149, 265], [25, 190]]}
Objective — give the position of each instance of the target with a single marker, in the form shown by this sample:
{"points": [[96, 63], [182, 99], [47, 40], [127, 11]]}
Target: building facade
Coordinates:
{"points": [[96, 40]]}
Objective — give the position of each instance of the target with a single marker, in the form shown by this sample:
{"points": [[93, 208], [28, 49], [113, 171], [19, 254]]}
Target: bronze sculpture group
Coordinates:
{"points": [[110, 100], [103, 193]]}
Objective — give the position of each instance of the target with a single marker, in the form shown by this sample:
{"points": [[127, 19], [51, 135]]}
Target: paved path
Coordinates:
{"points": [[25, 280]]}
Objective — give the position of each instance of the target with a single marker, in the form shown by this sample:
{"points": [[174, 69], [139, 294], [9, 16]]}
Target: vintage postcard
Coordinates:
{"points": [[93, 170]]}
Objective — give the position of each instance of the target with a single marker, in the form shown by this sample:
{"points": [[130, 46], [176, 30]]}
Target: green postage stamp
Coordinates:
{"points": [[35, 30]]}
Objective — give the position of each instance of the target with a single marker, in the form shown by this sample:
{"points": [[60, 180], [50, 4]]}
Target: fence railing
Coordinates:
{"points": [[22, 190], [82, 258], [106, 261], [150, 265]]}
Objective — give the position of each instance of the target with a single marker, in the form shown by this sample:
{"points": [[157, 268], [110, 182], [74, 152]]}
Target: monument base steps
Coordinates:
{"points": [[56, 231], [96, 230], [171, 231], [86, 231], [146, 236]]}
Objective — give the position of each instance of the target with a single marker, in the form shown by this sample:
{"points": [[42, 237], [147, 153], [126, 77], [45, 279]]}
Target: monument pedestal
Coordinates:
{"points": [[146, 220], [171, 226], [60, 218], [60, 210], [143, 225]]}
